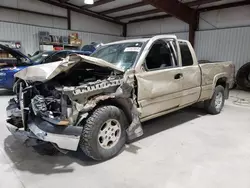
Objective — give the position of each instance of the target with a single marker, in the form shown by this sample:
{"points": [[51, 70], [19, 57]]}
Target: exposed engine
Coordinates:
{"points": [[53, 100]]}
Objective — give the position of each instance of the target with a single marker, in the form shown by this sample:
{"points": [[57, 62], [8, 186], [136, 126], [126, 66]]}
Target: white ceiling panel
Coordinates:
{"points": [[114, 4], [78, 2], [132, 11], [146, 16]]}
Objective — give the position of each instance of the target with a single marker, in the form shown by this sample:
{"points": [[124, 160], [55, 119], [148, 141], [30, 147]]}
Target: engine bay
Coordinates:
{"points": [[55, 99]]}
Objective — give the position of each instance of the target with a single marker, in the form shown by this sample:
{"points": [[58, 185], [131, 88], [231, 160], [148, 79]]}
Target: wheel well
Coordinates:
{"points": [[222, 81], [124, 104]]}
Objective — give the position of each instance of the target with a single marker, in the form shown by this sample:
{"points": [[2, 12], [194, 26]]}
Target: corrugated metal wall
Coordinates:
{"points": [[224, 44], [167, 25], [28, 35]]}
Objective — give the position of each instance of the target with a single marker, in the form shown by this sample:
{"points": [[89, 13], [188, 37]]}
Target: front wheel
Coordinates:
{"points": [[216, 103], [104, 133]]}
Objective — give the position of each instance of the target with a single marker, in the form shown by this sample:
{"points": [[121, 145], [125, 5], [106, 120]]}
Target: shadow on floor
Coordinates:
{"points": [[26, 159], [171, 120], [166, 122]]}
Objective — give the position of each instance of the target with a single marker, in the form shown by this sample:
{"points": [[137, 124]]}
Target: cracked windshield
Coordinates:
{"points": [[123, 55]]}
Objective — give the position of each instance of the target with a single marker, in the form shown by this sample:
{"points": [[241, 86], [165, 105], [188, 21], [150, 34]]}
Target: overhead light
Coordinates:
{"points": [[89, 2]]}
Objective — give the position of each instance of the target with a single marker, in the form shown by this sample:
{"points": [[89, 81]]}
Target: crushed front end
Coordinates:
{"points": [[38, 116], [52, 106]]}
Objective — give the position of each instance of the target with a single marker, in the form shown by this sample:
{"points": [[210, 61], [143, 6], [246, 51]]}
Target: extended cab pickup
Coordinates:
{"points": [[99, 102]]}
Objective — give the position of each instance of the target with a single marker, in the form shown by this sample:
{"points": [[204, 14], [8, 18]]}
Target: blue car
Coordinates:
{"points": [[10, 66], [91, 48]]}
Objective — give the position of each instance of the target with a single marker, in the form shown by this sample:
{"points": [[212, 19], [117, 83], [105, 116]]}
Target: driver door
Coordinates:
{"points": [[160, 81]]}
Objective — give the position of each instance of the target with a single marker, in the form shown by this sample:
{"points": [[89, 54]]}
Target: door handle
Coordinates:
{"points": [[178, 76]]}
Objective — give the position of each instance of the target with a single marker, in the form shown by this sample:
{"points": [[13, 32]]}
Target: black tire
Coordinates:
{"points": [[243, 77], [89, 142], [210, 105]]}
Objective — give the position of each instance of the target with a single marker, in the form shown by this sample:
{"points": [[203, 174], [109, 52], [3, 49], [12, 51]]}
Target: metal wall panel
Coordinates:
{"points": [[160, 26], [34, 5], [224, 44], [28, 35], [224, 18], [32, 19], [87, 23]]}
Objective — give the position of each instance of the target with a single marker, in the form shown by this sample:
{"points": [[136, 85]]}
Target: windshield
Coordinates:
{"points": [[123, 55], [40, 57]]}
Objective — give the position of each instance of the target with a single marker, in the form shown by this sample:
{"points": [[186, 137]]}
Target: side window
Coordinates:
{"points": [[160, 56], [186, 56], [57, 57]]}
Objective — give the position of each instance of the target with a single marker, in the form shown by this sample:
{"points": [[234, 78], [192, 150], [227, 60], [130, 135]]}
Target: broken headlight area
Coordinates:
{"points": [[49, 109]]}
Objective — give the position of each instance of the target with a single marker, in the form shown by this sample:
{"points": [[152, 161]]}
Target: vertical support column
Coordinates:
{"points": [[193, 27], [69, 19], [191, 34], [124, 30]]}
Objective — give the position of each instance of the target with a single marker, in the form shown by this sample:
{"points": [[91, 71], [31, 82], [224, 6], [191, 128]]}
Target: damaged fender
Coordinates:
{"points": [[124, 92]]}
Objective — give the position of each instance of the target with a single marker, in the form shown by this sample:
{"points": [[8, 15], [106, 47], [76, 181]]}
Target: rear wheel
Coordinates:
{"points": [[216, 103], [104, 133]]}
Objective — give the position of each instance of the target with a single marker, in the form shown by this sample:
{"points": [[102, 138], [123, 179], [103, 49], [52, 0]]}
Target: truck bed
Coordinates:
{"points": [[211, 71]]}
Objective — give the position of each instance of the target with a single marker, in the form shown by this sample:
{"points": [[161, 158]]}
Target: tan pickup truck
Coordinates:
{"points": [[97, 103]]}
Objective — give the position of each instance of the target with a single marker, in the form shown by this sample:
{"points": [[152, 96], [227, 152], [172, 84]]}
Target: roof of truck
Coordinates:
{"points": [[142, 39], [129, 40]]}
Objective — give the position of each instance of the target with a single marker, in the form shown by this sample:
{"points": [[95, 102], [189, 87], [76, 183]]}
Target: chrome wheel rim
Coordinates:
{"points": [[109, 134], [218, 101]]}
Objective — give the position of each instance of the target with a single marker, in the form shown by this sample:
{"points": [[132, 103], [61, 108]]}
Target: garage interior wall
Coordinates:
{"points": [[24, 27], [161, 26], [222, 34]]}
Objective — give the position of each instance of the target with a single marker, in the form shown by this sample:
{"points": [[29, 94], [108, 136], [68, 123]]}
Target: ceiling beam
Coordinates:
{"points": [[63, 1], [153, 11], [175, 8], [150, 18], [139, 4], [193, 3], [82, 11], [122, 8], [97, 3], [218, 7], [224, 6]]}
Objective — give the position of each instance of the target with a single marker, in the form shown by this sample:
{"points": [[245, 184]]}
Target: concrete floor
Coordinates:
{"points": [[184, 149]]}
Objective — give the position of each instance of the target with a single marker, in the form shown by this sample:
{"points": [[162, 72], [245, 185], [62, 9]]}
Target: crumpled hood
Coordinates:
{"points": [[48, 71]]}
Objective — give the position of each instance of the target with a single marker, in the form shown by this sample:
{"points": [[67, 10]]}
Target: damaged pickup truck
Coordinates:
{"points": [[97, 103]]}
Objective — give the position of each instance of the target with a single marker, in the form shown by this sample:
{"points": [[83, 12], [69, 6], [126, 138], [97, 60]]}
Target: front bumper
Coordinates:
{"points": [[65, 137]]}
